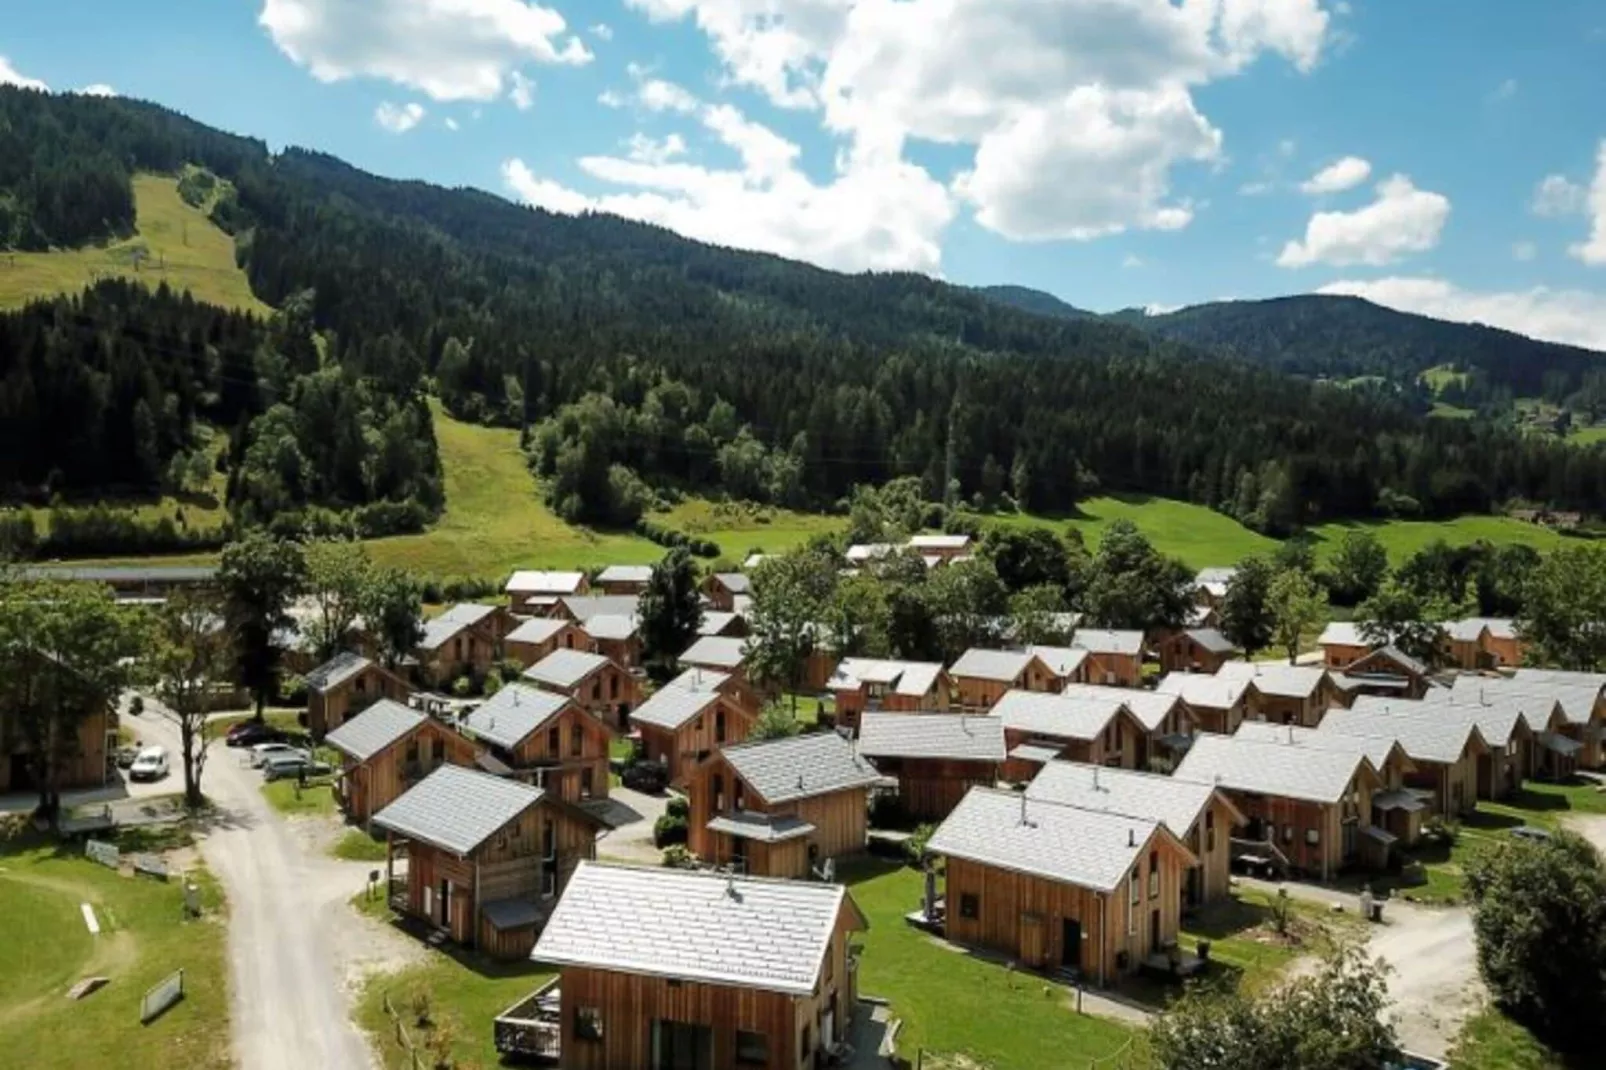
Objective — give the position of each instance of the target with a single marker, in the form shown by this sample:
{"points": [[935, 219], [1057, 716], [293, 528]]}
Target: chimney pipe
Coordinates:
{"points": [[1131, 837]]}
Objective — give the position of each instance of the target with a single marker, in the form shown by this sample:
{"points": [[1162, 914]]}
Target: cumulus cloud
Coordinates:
{"points": [[398, 118], [447, 49], [1338, 176], [1593, 250], [522, 94], [9, 75], [1557, 195], [1402, 220], [1575, 317], [99, 89], [877, 212], [602, 31]]}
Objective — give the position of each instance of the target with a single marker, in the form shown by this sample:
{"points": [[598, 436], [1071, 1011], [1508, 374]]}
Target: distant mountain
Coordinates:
{"points": [[1034, 301]]}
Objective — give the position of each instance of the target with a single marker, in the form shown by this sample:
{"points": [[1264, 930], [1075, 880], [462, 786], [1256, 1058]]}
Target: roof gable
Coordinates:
{"points": [[565, 668], [1426, 739], [1001, 666], [672, 707], [798, 767], [439, 630], [371, 731], [509, 717], [945, 736], [537, 630], [716, 651], [457, 809], [1060, 716], [1267, 768], [336, 671], [1151, 708], [533, 581], [1174, 802]]}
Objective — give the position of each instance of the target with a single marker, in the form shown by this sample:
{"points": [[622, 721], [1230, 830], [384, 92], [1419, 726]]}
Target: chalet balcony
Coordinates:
{"points": [[532, 1029]]}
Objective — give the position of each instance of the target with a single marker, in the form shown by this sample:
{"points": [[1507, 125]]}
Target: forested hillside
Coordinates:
{"points": [[636, 357]]}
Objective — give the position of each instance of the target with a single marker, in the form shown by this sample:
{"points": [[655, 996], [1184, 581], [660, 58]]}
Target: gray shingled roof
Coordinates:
{"points": [[1342, 633], [1108, 641], [1151, 708], [1576, 693], [938, 542], [716, 621], [585, 606], [718, 651], [1004, 666], [951, 736], [696, 926], [1391, 653], [913, 678], [1062, 661], [698, 678], [1425, 739], [1537, 711], [1061, 717], [1203, 691], [1035, 752], [625, 574], [1271, 678], [374, 729], [670, 707], [1378, 751], [1212, 640], [1468, 630], [1497, 722], [1009, 830], [531, 581], [454, 620], [457, 809], [610, 626], [537, 630], [1173, 801], [336, 671], [565, 668], [1322, 776], [735, 582], [510, 715], [764, 828], [818, 763]]}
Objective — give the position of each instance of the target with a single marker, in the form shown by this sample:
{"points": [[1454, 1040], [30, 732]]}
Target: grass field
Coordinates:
{"points": [[1441, 376], [143, 937], [317, 798], [174, 243], [1491, 1041], [1588, 436]]}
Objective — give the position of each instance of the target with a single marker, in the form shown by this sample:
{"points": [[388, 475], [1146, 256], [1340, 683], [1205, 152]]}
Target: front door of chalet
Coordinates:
{"points": [[1154, 930], [1071, 943], [681, 1046], [445, 902]]}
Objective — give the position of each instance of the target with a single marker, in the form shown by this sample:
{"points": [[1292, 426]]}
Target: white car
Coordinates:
{"points": [[261, 752], [151, 764]]}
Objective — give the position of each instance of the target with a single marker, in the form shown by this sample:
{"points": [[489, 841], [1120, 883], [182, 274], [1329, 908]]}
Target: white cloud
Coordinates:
{"points": [[602, 31], [9, 75], [649, 150], [1575, 317], [1557, 195], [877, 212], [450, 124], [1338, 176], [99, 89], [1524, 250], [447, 49], [1593, 251], [1096, 165], [1402, 220], [522, 94], [398, 118], [655, 94]]}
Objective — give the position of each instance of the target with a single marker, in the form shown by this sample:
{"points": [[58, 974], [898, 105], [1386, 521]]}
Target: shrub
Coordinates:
{"points": [[915, 846], [669, 829], [676, 856]]}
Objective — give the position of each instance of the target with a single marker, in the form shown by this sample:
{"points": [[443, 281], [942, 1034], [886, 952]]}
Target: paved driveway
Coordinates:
{"points": [[632, 814], [287, 923]]}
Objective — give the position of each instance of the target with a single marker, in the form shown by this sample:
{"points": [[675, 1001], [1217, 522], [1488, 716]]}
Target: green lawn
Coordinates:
{"points": [[1491, 1041], [175, 243], [285, 719], [318, 797], [1588, 436], [143, 937], [952, 1002], [1450, 412], [741, 528], [1441, 376], [1402, 538], [357, 846], [464, 992], [1199, 536]]}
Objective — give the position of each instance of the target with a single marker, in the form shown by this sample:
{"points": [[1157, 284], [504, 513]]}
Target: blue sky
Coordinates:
{"points": [[1449, 159]]}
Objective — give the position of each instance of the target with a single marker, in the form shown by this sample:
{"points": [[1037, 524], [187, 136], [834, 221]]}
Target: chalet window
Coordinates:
{"points": [[576, 741], [1154, 874], [830, 964], [738, 795], [587, 783], [969, 906], [596, 688], [752, 1049], [1210, 830], [1288, 834], [554, 740], [1134, 887], [412, 751], [719, 726], [588, 1023], [549, 841], [613, 687], [1109, 737], [1312, 837], [719, 792]]}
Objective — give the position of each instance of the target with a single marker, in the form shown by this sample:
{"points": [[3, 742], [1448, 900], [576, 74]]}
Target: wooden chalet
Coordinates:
{"points": [[1202, 817], [1387, 672], [1286, 694], [681, 725], [1445, 750], [487, 857], [722, 589], [1210, 585], [465, 640], [935, 757], [1060, 888], [580, 608], [1215, 703], [729, 625], [385, 750], [1039, 728], [1114, 657], [1396, 808], [1067, 664], [615, 637], [537, 637], [1343, 644], [545, 738], [597, 684], [1306, 809], [531, 591], [711, 971], [940, 548], [344, 686], [874, 684], [1580, 695], [780, 807], [1481, 643], [1202, 650], [1166, 719], [85, 764], [1547, 750], [624, 579], [981, 677], [727, 656]]}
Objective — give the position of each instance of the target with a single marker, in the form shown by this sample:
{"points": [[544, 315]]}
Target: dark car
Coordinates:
{"points": [[649, 778], [250, 733]]}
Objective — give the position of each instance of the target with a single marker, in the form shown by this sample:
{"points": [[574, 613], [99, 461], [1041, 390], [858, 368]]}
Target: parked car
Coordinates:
{"points": [[261, 752], [126, 756], [151, 764], [250, 733], [284, 766], [649, 778]]}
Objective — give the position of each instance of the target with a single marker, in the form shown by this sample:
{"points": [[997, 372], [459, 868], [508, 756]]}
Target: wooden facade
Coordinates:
{"points": [[530, 858], [859, 697], [567, 755], [929, 788], [368, 786], [328, 710], [1397, 676], [1338, 656], [1051, 925], [841, 821], [1118, 745], [1316, 838], [1305, 711], [720, 597], [473, 650], [977, 694], [87, 763], [569, 637], [1112, 669], [728, 1027], [608, 693], [725, 721], [1182, 652]]}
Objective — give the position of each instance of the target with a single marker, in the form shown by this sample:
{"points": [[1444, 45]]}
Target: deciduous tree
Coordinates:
{"points": [[791, 596], [392, 606], [190, 659], [1562, 609], [338, 575], [670, 612], [1357, 568], [1297, 606], [259, 576], [1246, 613]]}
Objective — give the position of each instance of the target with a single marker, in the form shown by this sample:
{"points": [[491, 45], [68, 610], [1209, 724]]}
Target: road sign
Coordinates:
{"points": [[106, 854], [160, 996]]}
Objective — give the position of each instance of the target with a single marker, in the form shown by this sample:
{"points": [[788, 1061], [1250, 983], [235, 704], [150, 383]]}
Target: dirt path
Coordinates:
{"points": [[1434, 984], [290, 928], [1591, 827]]}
